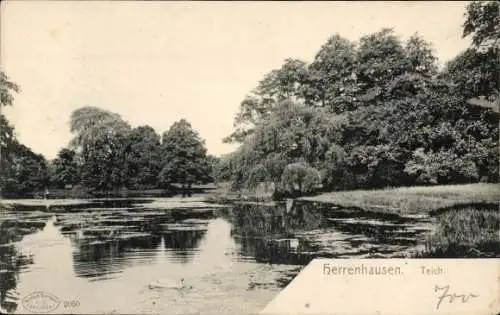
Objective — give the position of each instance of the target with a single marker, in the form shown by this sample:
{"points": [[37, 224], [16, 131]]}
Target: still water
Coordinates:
{"points": [[129, 255]]}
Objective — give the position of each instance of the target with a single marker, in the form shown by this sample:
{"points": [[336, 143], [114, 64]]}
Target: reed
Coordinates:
{"points": [[469, 232]]}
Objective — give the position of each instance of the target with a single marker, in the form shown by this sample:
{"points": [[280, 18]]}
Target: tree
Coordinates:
{"points": [[29, 172], [7, 137], [8, 142], [100, 141], [299, 178], [288, 82], [221, 168], [333, 75], [293, 133], [381, 58], [142, 157], [442, 167], [6, 89], [213, 168], [183, 156], [420, 56], [475, 71], [90, 124], [65, 169], [482, 22], [335, 174], [376, 113], [474, 74]]}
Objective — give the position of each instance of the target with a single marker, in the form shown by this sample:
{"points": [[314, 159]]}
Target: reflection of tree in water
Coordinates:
{"points": [[254, 220], [275, 251], [274, 220], [190, 213], [259, 230], [98, 258], [11, 263], [104, 248], [13, 230], [182, 243]]}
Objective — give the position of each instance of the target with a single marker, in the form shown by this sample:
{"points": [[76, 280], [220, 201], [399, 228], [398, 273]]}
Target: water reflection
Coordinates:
{"points": [[12, 262], [109, 247], [275, 234], [239, 256], [184, 244]]}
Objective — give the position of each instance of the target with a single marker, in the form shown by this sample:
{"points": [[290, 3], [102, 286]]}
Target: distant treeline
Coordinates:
{"points": [[373, 113], [106, 155]]}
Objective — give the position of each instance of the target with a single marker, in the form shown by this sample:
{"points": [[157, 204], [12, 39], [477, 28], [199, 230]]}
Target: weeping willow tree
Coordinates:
{"points": [[293, 133], [100, 142]]}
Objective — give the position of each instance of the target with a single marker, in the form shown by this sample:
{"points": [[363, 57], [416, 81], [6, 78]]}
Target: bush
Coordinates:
{"points": [[299, 178], [441, 167]]}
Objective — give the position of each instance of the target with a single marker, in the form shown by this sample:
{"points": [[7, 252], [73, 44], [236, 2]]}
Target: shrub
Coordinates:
{"points": [[299, 178], [441, 167]]}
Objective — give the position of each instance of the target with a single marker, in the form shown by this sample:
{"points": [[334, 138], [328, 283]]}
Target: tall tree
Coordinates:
{"points": [[288, 82], [333, 75], [64, 169], [29, 172], [100, 141], [183, 155], [420, 56], [474, 72], [8, 142], [213, 168], [388, 117], [381, 58], [292, 133], [482, 22], [142, 157]]}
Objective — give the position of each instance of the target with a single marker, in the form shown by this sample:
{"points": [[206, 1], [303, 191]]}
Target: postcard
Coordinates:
{"points": [[253, 157]]}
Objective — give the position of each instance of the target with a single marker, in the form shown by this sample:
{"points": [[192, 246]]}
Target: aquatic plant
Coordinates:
{"points": [[469, 232]]}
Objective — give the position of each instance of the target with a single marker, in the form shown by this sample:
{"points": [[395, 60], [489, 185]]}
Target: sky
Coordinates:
{"points": [[157, 62]]}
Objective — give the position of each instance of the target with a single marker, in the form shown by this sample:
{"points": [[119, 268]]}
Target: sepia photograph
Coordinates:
{"points": [[162, 157]]}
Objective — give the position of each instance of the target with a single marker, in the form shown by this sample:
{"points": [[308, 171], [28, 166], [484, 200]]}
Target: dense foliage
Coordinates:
{"points": [[372, 113], [184, 156], [105, 155], [375, 113], [21, 170]]}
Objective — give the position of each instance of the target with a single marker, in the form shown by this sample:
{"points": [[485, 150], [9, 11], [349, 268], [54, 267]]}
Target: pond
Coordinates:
{"points": [[129, 255]]}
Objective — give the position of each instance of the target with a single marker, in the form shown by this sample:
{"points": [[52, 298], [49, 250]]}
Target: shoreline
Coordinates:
{"points": [[415, 200]]}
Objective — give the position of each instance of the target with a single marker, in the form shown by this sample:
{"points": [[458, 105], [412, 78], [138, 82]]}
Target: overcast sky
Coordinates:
{"points": [[157, 62]]}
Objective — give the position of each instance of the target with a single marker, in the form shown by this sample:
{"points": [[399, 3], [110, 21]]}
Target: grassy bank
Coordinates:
{"points": [[409, 200], [468, 232], [466, 216], [223, 194]]}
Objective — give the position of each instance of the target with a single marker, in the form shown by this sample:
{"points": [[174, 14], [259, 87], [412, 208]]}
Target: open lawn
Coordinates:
{"points": [[466, 216], [422, 199]]}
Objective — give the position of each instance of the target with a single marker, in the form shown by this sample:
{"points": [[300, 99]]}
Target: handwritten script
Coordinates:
{"points": [[444, 294]]}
